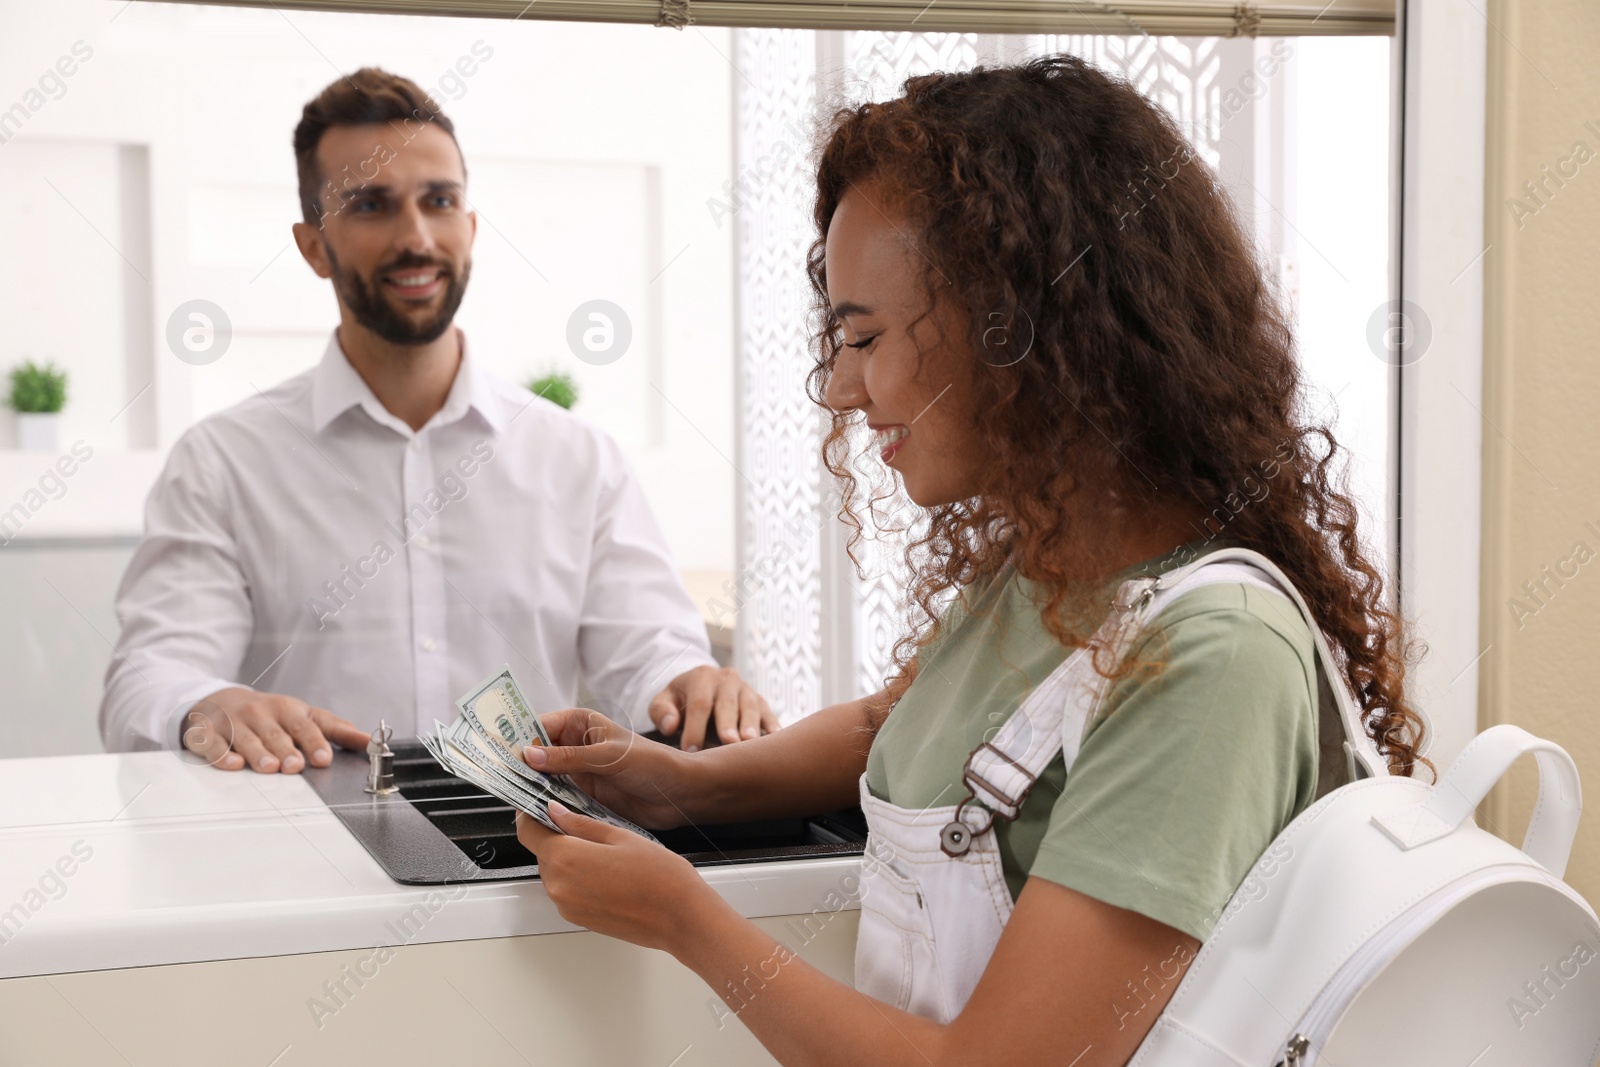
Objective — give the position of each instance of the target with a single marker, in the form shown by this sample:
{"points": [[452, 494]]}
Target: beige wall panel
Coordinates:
{"points": [[578, 1000], [1542, 400]]}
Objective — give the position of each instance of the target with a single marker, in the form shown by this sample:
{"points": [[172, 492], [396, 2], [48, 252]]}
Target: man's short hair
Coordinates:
{"points": [[368, 97]]}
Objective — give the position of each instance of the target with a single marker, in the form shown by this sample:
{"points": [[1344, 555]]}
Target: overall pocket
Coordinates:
{"points": [[896, 961]]}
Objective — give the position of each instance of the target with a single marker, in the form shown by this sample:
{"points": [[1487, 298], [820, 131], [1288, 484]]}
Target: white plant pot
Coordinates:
{"points": [[38, 431]]}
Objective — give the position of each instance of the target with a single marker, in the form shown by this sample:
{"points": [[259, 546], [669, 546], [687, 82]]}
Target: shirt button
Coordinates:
{"points": [[416, 442], [429, 644], [423, 542]]}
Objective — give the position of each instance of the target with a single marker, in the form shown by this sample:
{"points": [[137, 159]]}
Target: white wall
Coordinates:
{"points": [[1341, 225], [161, 171], [1308, 162]]}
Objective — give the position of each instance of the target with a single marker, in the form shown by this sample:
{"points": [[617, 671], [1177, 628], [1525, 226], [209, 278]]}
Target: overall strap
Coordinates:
{"points": [[1000, 773]]}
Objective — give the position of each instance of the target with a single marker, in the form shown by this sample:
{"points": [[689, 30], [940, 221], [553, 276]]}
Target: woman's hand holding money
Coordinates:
{"points": [[604, 877]]}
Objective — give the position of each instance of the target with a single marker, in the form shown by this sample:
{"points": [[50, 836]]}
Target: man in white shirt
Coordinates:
{"points": [[371, 538]]}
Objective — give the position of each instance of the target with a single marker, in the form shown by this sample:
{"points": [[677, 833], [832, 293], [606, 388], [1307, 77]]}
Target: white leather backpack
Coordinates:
{"points": [[1384, 927]]}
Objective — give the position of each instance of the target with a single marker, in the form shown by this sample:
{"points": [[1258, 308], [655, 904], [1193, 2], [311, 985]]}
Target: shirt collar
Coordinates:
{"points": [[336, 388]]}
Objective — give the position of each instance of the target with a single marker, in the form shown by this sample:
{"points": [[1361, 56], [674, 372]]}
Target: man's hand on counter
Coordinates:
{"points": [[269, 732], [697, 696]]}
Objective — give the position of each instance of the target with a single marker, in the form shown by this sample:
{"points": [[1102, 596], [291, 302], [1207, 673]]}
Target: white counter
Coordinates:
{"points": [[118, 861]]}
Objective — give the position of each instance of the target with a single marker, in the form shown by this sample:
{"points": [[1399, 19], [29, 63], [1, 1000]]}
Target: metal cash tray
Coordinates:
{"points": [[439, 830]]}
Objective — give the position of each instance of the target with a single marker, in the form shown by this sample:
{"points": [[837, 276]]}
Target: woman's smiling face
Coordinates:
{"points": [[907, 368]]}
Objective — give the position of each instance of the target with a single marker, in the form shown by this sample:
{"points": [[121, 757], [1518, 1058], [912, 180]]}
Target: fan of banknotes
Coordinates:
{"points": [[484, 747]]}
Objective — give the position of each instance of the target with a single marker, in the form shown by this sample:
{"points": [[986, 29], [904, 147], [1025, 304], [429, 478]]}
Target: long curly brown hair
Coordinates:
{"points": [[1146, 355]]}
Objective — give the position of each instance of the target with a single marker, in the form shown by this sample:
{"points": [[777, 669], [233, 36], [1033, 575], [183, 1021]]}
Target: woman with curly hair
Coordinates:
{"points": [[1041, 304]]}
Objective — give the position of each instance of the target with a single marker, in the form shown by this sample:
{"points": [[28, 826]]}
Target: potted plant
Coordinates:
{"points": [[557, 387], [37, 395]]}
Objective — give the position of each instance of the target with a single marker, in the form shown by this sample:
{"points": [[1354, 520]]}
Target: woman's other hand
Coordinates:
{"points": [[645, 781]]}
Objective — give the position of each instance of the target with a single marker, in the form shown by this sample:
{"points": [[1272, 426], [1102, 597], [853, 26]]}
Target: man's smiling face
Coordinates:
{"points": [[396, 234]]}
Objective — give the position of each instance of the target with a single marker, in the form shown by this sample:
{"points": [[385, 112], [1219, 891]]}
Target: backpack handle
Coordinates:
{"points": [[1481, 764]]}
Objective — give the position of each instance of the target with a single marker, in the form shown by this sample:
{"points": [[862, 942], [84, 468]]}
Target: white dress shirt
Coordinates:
{"points": [[308, 542]]}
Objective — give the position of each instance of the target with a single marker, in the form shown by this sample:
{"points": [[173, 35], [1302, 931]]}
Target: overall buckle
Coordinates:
{"points": [[970, 776], [957, 836]]}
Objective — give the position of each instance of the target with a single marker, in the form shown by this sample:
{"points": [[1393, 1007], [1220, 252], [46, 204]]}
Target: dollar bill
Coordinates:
{"points": [[496, 711], [464, 769], [466, 744], [484, 746]]}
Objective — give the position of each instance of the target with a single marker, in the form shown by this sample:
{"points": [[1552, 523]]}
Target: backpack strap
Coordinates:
{"points": [[1001, 772], [1236, 565]]}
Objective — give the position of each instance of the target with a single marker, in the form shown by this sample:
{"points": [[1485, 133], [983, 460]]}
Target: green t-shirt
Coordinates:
{"points": [[1183, 778]]}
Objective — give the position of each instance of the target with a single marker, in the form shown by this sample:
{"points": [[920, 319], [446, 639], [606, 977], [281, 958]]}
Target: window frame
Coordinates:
{"points": [[1440, 79]]}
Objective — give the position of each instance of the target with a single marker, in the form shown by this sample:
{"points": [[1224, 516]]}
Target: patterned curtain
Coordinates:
{"points": [[778, 588]]}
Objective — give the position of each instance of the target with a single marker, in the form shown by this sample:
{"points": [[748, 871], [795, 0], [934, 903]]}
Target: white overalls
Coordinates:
{"points": [[933, 896]]}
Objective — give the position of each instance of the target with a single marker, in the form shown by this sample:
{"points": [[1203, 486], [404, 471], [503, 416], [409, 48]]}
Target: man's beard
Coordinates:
{"points": [[374, 312]]}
